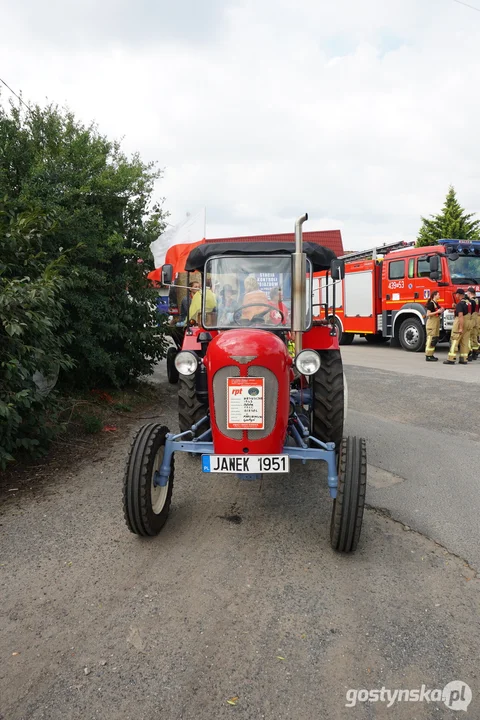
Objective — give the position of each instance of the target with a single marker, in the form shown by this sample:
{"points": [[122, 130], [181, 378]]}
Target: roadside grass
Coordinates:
{"points": [[97, 410], [92, 421]]}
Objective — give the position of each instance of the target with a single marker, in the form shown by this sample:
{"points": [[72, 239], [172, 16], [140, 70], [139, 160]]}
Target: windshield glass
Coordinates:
{"points": [[250, 292], [465, 270]]}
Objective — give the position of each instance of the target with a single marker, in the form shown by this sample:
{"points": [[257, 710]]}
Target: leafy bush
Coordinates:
{"points": [[31, 351], [76, 222]]}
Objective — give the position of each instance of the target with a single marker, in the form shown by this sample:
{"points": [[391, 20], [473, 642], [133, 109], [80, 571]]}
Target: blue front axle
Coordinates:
{"points": [[203, 445]]}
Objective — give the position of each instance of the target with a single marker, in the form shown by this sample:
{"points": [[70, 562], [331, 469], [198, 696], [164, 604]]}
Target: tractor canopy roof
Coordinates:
{"points": [[319, 256]]}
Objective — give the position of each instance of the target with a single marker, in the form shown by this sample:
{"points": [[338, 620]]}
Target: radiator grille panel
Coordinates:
{"points": [[271, 401], [220, 400]]}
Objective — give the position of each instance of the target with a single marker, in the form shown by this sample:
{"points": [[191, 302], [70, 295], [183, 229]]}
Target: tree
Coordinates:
{"points": [[452, 222], [76, 223], [104, 222], [32, 351]]}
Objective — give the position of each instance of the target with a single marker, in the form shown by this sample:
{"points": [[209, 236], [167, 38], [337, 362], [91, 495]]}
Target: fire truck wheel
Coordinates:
{"points": [[375, 339], [172, 372], [412, 335], [347, 513], [146, 505], [329, 398], [190, 410], [343, 337]]}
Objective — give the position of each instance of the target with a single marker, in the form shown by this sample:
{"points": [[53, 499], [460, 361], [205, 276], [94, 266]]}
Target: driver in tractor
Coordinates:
{"points": [[255, 300], [253, 295]]}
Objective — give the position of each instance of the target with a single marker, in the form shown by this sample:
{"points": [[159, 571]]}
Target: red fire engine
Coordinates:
{"points": [[385, 290]]}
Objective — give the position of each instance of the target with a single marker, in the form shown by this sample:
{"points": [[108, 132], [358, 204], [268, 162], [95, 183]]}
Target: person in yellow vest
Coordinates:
{"points": [[433, 325], [196, 304]]}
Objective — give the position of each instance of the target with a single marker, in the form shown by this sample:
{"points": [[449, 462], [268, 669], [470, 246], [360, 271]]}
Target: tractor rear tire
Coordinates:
{"points": [[172, 372], [329, 398], [146, 506], [190, 410], [348, 506]]}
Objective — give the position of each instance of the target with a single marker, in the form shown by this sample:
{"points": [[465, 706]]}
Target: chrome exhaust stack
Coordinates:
{"points": [[299, 299]]}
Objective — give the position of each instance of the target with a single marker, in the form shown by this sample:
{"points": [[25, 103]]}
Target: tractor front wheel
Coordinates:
{"points": [[145, 504], [329, 398], [348, 506], [190, 410]]}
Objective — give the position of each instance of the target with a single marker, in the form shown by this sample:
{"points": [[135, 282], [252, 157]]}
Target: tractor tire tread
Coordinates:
{"points": [[348, 508], [137, 480], [190, 410], [329, 394]]}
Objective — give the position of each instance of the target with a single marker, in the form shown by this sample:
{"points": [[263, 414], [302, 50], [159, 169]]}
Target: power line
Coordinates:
{"points": [[472, 7], [14, 93]]}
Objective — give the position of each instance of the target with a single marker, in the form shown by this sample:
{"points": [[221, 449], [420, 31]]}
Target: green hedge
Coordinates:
{"points": [[76, 222]]}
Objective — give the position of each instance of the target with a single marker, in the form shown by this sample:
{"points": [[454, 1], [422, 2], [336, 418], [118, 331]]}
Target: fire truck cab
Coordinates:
{"points": [[384, 292]]}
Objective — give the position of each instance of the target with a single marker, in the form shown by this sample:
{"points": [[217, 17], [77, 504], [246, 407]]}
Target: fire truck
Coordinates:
{"points": [[385, 289]]}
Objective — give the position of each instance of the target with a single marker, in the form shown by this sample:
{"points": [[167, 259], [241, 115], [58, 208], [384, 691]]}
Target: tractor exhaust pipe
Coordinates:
{"points": [[299, 300]]}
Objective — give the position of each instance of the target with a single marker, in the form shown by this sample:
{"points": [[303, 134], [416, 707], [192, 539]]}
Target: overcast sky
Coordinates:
{"points": [[361, 112]]}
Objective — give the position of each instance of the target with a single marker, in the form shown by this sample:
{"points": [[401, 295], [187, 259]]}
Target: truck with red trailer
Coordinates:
{"points": [[383, 294], [261, 387]]}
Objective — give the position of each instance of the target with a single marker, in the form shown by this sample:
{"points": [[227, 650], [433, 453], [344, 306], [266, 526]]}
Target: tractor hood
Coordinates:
{"points": [[254, 362], [245, 347]]}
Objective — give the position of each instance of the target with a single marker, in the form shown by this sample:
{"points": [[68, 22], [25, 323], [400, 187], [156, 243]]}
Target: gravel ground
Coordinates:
{"points": [[239, 597]]}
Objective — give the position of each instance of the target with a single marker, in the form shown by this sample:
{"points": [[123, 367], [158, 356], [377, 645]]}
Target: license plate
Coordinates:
{"points": [[247, 464]]}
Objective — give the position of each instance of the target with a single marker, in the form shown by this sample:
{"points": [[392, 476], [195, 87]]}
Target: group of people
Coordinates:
{"points": [[465, 334], [255, 303]]}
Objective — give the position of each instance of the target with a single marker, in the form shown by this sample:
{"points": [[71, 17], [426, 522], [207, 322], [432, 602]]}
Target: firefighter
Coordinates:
{"points": [[459, 338], [433, 325], [467, 327], [475, 323]]}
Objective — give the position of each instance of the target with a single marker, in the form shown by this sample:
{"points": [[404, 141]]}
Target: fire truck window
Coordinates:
{"points": [[423, 268], [411, 268], [396, 270]]}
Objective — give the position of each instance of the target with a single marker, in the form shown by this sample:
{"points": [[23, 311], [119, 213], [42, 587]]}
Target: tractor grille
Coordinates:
{"points": [[220, 401], [271, 400]]}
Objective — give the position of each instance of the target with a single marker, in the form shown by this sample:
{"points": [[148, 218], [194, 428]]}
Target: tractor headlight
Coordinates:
{"points": [[307, 362], [186, 363]]}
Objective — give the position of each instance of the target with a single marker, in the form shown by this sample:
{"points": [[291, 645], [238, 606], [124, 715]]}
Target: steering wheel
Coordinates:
{"points": [[258, 316]]}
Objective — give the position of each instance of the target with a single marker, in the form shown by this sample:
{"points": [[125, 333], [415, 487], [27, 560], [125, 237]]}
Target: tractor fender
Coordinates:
{"points": [[410, 309]]}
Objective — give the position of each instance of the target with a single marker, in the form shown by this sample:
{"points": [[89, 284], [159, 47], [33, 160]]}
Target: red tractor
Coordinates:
{"points": [[260, 384]]}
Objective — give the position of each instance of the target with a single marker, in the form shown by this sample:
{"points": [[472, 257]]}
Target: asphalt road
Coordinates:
{"points": [[241, 598], [422, 425]]}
